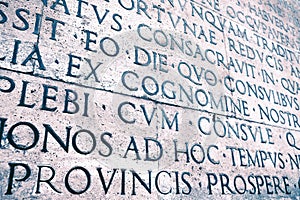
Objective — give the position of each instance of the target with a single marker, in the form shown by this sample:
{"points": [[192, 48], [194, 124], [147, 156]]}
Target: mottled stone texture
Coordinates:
{"points": [[138, 99]]}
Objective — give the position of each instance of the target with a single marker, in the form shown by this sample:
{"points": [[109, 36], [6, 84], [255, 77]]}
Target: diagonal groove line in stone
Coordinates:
{"points": [[148, 99]]}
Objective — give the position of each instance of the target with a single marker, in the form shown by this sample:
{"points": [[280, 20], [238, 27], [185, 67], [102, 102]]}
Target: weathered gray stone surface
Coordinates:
{"points": [[136, 99]]}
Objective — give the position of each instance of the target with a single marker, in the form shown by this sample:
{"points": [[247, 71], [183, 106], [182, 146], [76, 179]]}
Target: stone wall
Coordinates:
{"points": [[136, 99]]}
